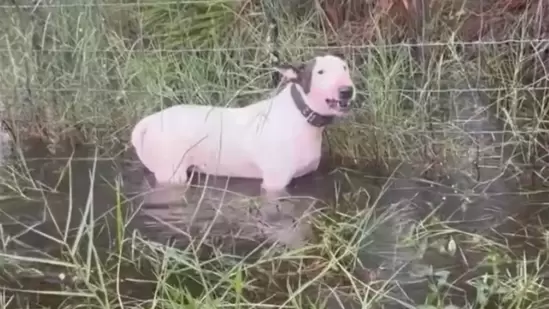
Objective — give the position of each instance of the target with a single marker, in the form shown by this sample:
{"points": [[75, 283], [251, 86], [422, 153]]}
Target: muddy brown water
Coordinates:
{"points": [[162, 215]]}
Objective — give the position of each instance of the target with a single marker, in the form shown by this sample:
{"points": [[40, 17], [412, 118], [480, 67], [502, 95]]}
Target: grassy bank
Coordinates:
{"points": [[87, 71]]}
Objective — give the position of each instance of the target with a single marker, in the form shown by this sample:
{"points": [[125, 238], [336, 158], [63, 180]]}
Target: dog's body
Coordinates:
{"points": [[236, 142], [269, 140]]}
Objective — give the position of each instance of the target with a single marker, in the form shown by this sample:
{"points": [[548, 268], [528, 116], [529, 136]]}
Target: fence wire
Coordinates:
{"points": [[48, 56]]}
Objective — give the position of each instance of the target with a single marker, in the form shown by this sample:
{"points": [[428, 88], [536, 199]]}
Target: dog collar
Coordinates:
{"points": [[312, 117]]}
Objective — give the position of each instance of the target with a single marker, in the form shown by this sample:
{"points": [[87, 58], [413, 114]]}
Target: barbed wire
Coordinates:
{"points": [[41, 4], [289, 47], [450, 129], [265, 90]]}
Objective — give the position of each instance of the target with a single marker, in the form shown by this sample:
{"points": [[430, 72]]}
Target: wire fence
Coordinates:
{"points": [[75, 55], [358, 47], [265, 90]]}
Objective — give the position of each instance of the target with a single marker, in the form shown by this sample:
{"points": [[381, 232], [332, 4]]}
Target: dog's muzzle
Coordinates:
{"points": [[343, 103]]}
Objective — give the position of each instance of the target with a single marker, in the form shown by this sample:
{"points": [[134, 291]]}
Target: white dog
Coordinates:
{"points": [[275, 140]]}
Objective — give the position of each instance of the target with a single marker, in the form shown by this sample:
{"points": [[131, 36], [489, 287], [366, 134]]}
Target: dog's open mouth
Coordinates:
{"points": [[339, 104]]}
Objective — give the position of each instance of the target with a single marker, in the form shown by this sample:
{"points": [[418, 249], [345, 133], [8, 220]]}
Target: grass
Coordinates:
{"points": [[85, 72], [362, 255]]}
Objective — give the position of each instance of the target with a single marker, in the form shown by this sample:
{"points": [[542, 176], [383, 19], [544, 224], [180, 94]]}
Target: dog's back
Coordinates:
{"points": [[213, 139]]}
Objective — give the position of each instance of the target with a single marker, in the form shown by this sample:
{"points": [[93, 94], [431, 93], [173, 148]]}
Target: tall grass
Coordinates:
{"points": [[96, 67], [365, 253]]}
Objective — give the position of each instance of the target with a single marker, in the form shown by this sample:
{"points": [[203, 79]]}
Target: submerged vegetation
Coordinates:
{"points": [[440, 195]]}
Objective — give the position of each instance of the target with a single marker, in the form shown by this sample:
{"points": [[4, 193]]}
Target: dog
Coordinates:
{"points": [[276, 139]]}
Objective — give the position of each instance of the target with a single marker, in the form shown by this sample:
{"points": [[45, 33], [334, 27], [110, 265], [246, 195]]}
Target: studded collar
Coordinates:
{"points": [[313, 118]]}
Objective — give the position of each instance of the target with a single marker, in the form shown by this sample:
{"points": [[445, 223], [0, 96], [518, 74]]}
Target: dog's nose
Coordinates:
{"points": [[346, 93]]}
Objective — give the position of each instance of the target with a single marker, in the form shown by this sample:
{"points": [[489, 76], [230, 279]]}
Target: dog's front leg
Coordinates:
{"points": [[274, 195], [276, 171], [273, 189], [274, 185]]}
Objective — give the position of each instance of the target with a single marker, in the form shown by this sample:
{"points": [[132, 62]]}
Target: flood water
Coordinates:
{"points": [[226, 215]]}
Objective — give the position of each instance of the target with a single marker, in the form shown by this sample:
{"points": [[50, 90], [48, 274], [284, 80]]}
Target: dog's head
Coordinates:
{"points": [[326, 81]]}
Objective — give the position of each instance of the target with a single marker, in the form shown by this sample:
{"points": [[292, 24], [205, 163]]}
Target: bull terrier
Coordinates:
{"points": [[276, 139]]}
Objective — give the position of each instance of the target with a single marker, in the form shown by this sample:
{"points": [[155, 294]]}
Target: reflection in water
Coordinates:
{"points": [[229, 211]]}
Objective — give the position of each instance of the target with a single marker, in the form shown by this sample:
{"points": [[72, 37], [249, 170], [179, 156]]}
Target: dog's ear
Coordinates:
{"points": [[289, 71]]}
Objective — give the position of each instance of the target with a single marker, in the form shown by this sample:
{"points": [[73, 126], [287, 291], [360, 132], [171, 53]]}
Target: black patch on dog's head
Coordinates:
{"points": [[303, 73]]}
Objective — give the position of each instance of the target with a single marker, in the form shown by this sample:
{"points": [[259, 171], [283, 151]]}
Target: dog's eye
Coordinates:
{"points": [[344, 68], [320, 72]]}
